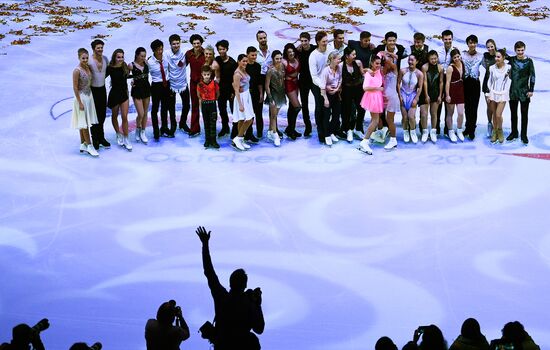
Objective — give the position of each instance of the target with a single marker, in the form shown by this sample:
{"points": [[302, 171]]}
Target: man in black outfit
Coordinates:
{"points": [[237, 312], [445, 59], [304, 80], [392, 46], [420, 50], [161, 95], [227, 69], [98, 65], [363, 48], [254, 69]]}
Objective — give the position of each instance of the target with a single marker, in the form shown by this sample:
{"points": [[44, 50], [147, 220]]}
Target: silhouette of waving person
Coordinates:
{"points": [[237, 312]]}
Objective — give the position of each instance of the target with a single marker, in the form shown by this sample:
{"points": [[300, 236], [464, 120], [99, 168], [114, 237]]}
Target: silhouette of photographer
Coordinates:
{"points": [[84, 346], [470, 337], [432, 338], [237, 312], [24, 336], [161, 334], [515, 337]]}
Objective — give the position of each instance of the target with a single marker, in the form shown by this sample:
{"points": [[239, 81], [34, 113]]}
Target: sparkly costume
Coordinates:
{"points": [[276, 87], [82, 119], [390, 92], [409, 84], [499, 83], [246, 99], [141, 88]]}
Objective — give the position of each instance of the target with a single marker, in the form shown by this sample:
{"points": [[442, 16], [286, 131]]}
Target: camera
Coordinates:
{"points": [[208, 331], [255, 295], [421, 329], [24, 335], [42, 325], [175, 307], [84, 346], [499, 344], [96, 346]]}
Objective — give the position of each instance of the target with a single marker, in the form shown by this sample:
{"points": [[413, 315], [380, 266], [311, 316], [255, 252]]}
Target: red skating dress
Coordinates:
{"points": [[291, 76], [456, 89]]}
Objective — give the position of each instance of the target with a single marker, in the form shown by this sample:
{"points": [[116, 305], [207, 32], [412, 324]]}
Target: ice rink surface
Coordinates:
{"points": [[346, 247]]}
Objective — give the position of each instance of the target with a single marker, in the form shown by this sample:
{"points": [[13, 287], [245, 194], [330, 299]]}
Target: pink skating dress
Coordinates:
{"points": [[373, 101]]}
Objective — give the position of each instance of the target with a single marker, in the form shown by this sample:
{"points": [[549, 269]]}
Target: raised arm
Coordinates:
{"points": [[213, 281]]}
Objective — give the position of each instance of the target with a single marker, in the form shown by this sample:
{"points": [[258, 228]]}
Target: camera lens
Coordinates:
{"points": [[96, 346], [43, 324]]}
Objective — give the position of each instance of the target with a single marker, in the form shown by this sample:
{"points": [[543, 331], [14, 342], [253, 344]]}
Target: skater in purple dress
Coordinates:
{"points": [[409, 83]]}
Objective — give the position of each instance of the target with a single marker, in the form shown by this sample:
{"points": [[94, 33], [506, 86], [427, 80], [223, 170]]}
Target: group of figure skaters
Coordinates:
{"points": [[346, 77]]}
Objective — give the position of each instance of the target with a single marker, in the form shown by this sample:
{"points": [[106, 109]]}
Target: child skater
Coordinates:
{"points": [[84, 114], [208, 92]]}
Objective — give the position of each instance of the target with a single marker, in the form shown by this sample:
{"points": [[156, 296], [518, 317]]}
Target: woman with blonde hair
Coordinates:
{"points": [[84, 113], [331, 86]]}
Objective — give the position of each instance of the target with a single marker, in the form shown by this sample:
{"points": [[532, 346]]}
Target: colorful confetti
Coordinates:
{"points": [[54, 17]]}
